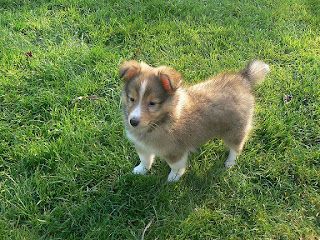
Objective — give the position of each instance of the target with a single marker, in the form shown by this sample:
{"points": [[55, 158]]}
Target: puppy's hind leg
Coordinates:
{"points": [[231, 160], [235, 140], [235, 145], [145, 164]]}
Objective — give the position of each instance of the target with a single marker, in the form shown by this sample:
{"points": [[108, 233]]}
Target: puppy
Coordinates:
{"points": [[163, 118]]}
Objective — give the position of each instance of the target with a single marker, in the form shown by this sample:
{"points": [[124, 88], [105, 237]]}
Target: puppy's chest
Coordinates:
{"points": [[159, 143]]}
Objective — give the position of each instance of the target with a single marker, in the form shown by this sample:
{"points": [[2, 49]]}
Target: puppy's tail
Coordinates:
{"points": [[256, 71]]}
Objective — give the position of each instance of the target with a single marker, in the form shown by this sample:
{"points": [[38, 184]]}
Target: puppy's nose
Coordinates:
{"points": [[134, 122]]}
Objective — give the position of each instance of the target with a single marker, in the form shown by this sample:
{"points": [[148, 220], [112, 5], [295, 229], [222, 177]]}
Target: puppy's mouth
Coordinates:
{"points": [[140, 126], [151, 125]]}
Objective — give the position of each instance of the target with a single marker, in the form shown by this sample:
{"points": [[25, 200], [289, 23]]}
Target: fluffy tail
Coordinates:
{"points": [[256, 71]]}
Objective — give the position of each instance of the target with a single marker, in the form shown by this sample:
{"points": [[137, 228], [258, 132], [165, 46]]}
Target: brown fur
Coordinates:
{"points": [[186, 117]]}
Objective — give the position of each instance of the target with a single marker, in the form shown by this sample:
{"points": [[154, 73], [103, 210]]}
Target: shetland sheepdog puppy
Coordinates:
{"points": [[163, 118]]}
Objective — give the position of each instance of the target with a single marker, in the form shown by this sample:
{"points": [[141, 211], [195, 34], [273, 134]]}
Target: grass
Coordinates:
{"points": [[65, 169]]}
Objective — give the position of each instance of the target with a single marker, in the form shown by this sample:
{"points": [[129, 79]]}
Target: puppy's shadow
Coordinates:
{"points": [[137, 199]]}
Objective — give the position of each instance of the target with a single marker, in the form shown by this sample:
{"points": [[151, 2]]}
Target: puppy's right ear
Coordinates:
{"points": [[129, 69]]}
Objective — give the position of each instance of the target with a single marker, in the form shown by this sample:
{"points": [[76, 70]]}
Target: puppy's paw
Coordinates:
{"points": [[140, 169], [174, 176], [229, 164], [231, 160]]}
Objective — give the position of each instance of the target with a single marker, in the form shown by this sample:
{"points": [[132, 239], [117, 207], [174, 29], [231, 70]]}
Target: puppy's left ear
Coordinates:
{"points": [[170, 79], [129, 69]]}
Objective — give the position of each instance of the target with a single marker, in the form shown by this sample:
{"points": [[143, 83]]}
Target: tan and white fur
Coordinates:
{"points": [[163, 118]]}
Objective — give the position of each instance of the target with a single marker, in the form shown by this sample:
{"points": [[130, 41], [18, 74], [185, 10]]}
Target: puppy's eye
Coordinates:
{"points": [[152, 103], [131, 99]]}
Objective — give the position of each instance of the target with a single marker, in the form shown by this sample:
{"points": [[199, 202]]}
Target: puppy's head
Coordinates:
{"points": [[148, 93]]}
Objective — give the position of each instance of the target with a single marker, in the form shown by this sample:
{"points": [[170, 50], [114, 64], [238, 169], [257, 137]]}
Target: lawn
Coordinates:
{"points": [[65, 166]]}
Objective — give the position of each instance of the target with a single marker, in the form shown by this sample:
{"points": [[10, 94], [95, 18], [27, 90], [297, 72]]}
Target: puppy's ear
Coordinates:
{"points": [[129, 69], [170, 79]]}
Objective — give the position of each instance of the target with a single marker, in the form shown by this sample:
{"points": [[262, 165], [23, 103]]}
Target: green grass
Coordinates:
{"points": [[65, 169]]}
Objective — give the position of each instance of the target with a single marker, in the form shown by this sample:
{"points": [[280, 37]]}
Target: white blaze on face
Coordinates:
{"points": [[136, 113]]}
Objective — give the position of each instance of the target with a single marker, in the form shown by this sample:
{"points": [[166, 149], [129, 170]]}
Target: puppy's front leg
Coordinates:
{"points": [[146, 162], [178, 167]]}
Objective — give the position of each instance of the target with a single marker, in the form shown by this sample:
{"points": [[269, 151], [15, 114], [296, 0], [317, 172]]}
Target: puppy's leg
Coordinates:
{"points": [[231, 158], [235, 149], [178, 167], [146, 162], [235, 141]]}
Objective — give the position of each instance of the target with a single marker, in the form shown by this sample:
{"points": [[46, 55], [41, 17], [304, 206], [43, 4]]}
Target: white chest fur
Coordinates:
{"points": [[150, 145]]}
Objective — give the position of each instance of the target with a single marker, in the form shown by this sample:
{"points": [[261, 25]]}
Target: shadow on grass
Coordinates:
{"points": [[138, 199]]}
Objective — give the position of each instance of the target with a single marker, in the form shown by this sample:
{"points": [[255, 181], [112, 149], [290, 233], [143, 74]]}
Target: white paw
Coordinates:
{"points": [[267, 68], [231, 160], [229, 164], [174, 176], [140, 169]]}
